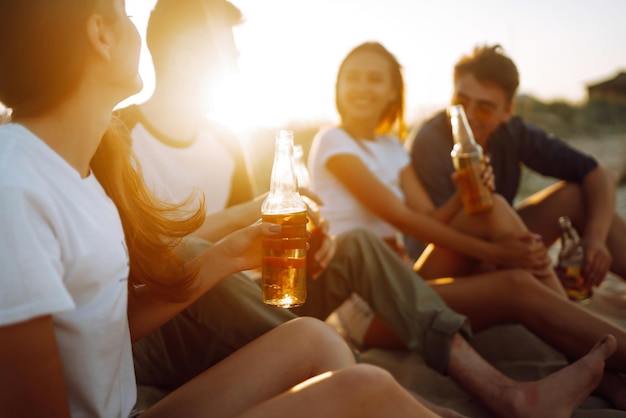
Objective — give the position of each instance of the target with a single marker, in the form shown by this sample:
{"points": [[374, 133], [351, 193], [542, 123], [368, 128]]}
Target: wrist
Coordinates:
{"points": [[491, 253]]}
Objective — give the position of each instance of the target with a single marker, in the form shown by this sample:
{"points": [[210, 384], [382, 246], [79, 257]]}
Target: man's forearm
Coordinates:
{"points": [[599, 200], [217, 225]]}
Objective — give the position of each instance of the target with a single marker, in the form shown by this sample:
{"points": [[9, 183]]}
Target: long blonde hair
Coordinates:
{"points": [[152, 227]]}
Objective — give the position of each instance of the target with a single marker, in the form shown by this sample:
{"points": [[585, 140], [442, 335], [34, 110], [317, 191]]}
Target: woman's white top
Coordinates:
{"points": [[64, 254], [384, 156]]}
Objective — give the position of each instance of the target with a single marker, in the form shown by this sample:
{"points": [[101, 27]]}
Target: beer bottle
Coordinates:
{"points": [[317, 234], [467, 156], [283, 277], [570, 263]]}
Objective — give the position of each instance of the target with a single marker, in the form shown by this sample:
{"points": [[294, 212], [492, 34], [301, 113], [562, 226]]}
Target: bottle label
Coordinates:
{"points": [[474, 194], [284, 261]]}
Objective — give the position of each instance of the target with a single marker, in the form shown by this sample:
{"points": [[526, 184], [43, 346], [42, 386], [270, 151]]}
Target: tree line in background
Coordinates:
{"points": [[566, 120], [594, 120]]}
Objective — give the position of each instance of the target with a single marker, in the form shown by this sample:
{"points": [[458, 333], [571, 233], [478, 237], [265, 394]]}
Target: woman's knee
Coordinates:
{"points": [[317, 336], [368, 378], [517, 283]]}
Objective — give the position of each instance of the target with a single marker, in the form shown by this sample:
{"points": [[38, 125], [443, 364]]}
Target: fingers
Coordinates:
{"points": [[528, 236], [312, 215], [311, 195], [266, 228], [597, 262], [324, 254], [487, 175], [596, 268]]}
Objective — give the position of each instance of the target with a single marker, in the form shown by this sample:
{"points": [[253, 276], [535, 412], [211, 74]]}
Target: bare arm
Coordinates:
{"points": [[377, 197], [236, 252], [417, 198], [599, 198], [217, 225], [31, 378]]}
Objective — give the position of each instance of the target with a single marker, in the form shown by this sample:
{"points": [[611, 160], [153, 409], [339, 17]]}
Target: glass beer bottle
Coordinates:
{"points": [[283, 278], [317, 234], [467, 156], [570, 263]]}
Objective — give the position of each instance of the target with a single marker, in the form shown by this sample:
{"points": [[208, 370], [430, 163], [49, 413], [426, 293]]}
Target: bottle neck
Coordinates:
{"points": [[283, 196], [462, 134]]}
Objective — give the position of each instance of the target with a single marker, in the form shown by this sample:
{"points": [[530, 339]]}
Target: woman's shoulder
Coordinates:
{"points": [[330, 141], [331, 132], [17, 149], [28, 166]]}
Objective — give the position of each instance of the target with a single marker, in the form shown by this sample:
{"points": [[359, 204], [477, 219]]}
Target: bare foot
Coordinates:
{"points": [[559, 394], [613, 389]]}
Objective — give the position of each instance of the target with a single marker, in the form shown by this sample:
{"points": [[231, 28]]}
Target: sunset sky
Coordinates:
{"points": [[290, 49]]}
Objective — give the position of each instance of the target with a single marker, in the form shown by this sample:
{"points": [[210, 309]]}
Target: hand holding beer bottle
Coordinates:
{"points": [[570, 262], [283, 278], [469, 163], [313, 220]]}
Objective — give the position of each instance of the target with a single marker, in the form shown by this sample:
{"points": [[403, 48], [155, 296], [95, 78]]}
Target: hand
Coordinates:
{"points": [[242, 248], [325, 251], [487, 175], [522, 250], [310, 194], [597, 261], [543, 269]]}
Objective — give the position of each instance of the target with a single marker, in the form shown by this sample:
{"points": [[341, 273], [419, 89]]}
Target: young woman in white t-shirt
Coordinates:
{"points": [[362, 173], [498, 271], [87, 262]]}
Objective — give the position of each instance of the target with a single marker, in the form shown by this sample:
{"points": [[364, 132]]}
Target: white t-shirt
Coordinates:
{"points": [[64, 255], [174, 172], [384, 156]]}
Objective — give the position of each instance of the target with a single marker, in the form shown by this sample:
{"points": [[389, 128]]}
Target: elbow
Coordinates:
{"points": [[602, 172], [613, 177]]}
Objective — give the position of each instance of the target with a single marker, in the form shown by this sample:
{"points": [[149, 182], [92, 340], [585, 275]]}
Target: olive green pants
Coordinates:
{"points": [[233, 314]]}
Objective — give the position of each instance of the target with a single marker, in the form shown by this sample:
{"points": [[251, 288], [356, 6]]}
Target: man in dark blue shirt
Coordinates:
{"points": [[485, 83]]}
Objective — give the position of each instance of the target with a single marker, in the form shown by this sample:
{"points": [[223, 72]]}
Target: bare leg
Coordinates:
{"points": [[540, 212], [500, 222], [359, 391], [275, 362], [514, 296], [616, 242], [555, 396], [441, 263], [301, 366]]}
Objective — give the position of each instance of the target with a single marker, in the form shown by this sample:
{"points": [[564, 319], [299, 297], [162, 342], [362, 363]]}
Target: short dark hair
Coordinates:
{"points": [[170, 18], [489, 64]]}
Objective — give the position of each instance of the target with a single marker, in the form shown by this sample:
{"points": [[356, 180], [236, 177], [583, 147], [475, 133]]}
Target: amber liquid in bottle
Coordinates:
{"points": [[474, 195], [467, 156], [284, 260], [570, 263]]}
